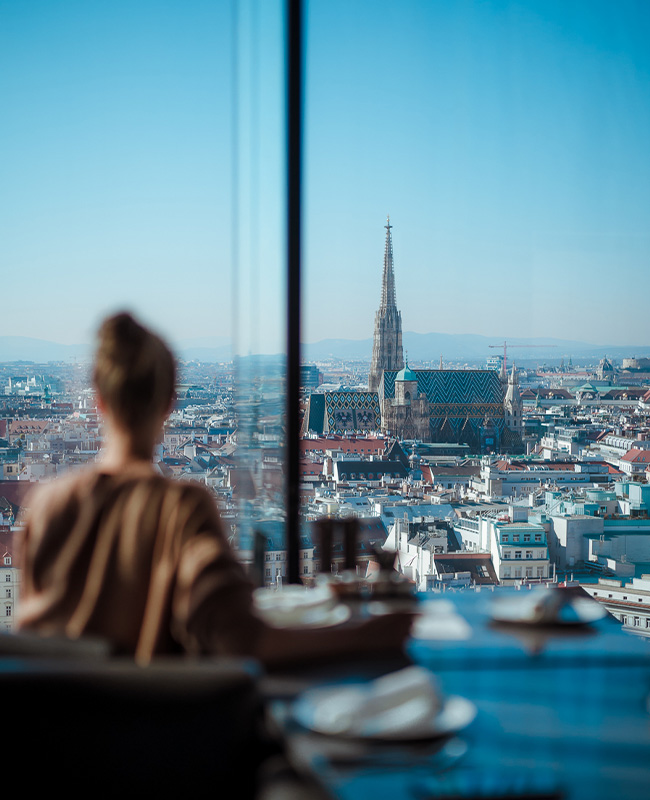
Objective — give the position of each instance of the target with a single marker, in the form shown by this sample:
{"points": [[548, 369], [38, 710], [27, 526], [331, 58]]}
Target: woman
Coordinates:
{"points": [[118, 551]]}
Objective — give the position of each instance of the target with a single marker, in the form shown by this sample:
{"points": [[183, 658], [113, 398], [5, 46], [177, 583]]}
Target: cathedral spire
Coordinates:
{"points": [[387, 353], [388, 280]]}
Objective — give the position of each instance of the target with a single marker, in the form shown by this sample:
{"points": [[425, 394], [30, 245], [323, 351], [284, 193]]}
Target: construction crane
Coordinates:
{"points": [[505, 346]]}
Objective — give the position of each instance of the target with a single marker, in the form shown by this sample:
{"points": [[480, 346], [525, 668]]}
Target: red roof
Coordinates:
{"points": [[636, 456], [357, 445], [15, 491], [19, 426]]}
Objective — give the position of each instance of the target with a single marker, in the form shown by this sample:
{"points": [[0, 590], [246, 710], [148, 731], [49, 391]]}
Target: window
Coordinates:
{"points": [[526, 537], [515, 537], [529, 553], [326, 275], [529, 572], [540, 572], [504, 537], [7, 578], [517, 572], [7, 611], [517, 553], [538, 537], [8, 592], [506, 554]]}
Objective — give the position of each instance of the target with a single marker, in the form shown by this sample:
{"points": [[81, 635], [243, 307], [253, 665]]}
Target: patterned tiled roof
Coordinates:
{"points": [[452, 386]]}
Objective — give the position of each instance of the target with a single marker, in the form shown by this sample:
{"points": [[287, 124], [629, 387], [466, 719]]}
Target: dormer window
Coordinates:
{"points": [[7, 561]]}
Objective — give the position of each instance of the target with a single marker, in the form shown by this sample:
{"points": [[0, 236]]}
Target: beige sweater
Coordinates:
{"points": [[138, 559]]}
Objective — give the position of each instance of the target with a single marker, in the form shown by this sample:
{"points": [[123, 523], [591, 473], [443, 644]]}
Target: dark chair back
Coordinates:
{"points": [[174, 726], [33, 645]]}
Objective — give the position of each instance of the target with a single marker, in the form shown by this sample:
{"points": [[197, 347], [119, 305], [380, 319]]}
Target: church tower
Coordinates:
{"points": [[513, 404], [387, 345]]}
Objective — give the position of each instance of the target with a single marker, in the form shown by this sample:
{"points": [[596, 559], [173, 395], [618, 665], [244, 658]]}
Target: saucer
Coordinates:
{"points": [[454, 715]]}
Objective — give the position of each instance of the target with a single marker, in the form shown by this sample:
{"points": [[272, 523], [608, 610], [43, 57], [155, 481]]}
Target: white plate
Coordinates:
{"points": [[516, 609], [311, 618], [456, 714]]}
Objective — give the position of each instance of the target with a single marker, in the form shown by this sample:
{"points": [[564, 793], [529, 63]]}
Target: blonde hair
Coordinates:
{"points": [[134, 373]]}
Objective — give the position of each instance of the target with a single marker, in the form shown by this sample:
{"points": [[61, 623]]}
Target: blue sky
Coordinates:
{"points": [[507, 140]]}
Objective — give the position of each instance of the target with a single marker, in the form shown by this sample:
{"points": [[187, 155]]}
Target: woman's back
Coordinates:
{"points": [[136, 558]]}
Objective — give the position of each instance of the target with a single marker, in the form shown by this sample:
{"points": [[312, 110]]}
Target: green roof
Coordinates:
{"points": [[406, 374]]}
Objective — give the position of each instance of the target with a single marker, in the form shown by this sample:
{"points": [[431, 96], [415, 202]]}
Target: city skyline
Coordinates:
{"points": [[507, 141]]}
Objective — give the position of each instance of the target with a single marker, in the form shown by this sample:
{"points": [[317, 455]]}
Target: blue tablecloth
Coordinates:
{"points": [[558, 710]]}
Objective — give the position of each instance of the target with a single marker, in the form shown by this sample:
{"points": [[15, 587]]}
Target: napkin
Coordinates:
{"points": [[549, 605], [439, 619], [401, 703]]}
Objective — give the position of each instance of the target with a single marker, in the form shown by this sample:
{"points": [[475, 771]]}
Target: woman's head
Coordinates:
{"points": [[134, 374]]}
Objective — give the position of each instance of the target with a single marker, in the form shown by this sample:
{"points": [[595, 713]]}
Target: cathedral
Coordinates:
{"points": [[476, 407]]}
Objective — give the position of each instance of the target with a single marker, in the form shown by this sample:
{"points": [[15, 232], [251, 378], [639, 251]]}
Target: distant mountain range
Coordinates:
{"points": [[419, 347], [473, 347], [40, 351]]}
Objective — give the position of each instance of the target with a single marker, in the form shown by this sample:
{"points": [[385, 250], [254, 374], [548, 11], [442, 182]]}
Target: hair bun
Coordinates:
{"points": [[134, 370]]}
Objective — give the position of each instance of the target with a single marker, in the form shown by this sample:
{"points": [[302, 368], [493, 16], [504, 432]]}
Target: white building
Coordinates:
{"points": [[416, 542], [519, 551], [628, 602], [9, 592]]}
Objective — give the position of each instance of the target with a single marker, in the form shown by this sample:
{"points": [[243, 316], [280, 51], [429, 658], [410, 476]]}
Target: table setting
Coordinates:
{"points": [[479, 710], [502, 692]]}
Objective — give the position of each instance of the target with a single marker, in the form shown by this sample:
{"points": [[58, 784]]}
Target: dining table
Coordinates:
{"points": [[560, 709]]}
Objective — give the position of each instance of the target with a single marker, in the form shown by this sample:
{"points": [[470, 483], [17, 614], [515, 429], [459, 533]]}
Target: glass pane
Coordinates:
{"points": [[259, 267], [507, 142], [142, 164]]}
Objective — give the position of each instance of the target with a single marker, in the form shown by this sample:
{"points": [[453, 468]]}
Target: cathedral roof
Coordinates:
{"points": [[450, 386]]}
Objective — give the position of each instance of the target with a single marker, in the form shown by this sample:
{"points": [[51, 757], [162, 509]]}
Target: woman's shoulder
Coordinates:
{"points": [[64, 485], [195, 492], [85, 482], [58, 497]]}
